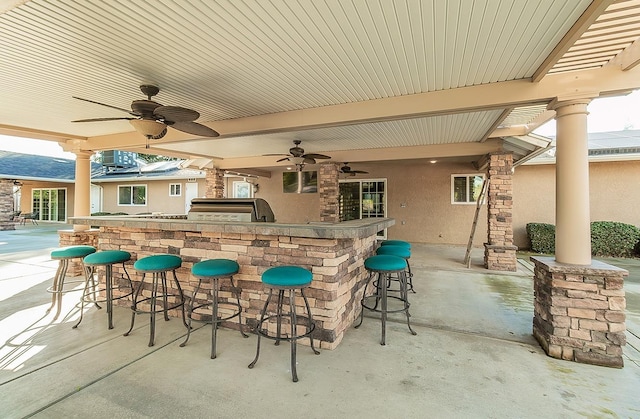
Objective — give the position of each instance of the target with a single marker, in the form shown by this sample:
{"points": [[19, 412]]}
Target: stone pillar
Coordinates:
{"points": [[579, 311], [573, 222], [82, 189], [499, 251], [329, 190], [6, 205], [214, 179]]}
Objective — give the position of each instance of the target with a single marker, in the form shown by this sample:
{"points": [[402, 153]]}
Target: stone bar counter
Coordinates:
{"points": [[333, 252]]}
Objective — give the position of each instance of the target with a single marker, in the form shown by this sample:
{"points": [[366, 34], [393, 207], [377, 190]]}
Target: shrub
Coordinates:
{"points": [[542, 237], [614, 239]]}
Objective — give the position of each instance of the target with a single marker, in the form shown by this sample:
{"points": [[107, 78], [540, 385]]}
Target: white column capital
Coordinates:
{"points": [[567, 107]]}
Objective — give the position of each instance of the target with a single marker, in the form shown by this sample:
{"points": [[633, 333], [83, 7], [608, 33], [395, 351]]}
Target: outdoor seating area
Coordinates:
{"points": [[473, 355]]}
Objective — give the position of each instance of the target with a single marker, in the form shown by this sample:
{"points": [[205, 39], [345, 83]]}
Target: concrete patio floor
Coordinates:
{"points": [[473, 356]]}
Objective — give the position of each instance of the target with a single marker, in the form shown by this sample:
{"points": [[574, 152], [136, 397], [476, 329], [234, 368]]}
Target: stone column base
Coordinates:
{"points": [[77, 238], [7, 225], [579, 311], [500, 257]]}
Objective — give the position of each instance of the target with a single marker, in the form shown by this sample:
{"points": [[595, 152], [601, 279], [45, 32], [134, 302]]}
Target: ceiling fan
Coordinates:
{"points": [[347, 170], [151, 119], [298, 157]]}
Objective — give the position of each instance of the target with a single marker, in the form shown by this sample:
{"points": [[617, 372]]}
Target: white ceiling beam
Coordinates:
{"points": [[628, 58], [595, 9]]}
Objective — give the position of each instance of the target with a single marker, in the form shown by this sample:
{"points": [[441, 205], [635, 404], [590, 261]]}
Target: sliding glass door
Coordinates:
{"points": [[51, 204]]}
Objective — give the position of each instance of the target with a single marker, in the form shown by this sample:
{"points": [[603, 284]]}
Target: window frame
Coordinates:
{"points": [[132, 204], [469, 199], [172, 189]]}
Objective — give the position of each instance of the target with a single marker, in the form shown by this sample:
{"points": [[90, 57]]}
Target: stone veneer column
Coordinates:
{"points": [[499, 251], [6, 205], [579, 311], [215, 183], [329, 190]]}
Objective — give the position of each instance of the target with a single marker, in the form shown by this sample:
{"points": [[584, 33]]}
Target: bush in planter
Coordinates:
{"points": [[609, 238], [542, 237]]}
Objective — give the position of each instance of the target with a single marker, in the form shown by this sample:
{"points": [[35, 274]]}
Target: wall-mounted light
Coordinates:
{"points": [[256, 188]]}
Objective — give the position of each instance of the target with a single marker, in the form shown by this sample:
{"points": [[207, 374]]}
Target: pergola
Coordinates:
{"points": [[359, 80]]}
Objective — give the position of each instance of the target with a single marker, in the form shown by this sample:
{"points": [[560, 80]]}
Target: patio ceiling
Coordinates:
{"points": [[359, 80]]}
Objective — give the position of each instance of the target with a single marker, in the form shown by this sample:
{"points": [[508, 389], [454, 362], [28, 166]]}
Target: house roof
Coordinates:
{"points": [[359, 81], [162, 170], [20, 166], [603, 146]]}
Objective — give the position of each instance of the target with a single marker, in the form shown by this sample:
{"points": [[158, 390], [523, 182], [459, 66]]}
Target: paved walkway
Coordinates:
{"points": [[474, 356]]}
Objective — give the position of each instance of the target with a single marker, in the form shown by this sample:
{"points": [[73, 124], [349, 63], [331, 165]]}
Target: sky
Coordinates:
{"points": [[606, 114]]}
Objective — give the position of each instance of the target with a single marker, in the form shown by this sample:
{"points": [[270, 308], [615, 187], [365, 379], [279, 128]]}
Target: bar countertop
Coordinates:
{"points": [[322, 230]]}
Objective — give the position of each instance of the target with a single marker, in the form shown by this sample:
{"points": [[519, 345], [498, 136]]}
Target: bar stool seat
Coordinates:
{"points": [[385, 266], [106, 258], [403, 252], [64, 255], [396, 243], [157, 266], [282, 278], [213, 270]]}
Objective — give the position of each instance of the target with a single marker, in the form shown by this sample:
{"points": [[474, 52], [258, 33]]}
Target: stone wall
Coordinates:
{"points": [[500, 253], [77, 238], [579, 311], [337, 266]]}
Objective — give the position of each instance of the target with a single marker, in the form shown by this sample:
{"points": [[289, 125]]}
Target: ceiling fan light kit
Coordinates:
{"points": [[148, 128]]}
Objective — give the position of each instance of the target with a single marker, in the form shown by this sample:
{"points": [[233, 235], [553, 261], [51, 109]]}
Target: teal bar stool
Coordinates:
{"points": [[281, 279], [213, 270], [403, 252], [157, 266], [383, 266], [106, 258], [64, 255], [396, 243]]}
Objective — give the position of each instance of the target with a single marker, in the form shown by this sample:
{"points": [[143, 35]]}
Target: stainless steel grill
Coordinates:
{"points": [[231, 210]]}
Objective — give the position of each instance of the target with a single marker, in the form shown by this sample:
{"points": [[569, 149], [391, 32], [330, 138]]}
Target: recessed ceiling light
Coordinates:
{"points": [[433, 161]]}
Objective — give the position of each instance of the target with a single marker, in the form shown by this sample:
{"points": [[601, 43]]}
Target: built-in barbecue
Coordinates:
{"points": [[231, 210]]}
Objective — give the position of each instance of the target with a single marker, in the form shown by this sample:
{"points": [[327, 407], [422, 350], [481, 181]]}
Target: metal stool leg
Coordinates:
{"points": [[258, 326]]}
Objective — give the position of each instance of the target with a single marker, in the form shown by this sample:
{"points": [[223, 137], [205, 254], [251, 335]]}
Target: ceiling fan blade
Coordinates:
{"points": [[194, 128], [362, 172], [308, 160], [316, 156], [176, 114], [283, 159], [104, 104], [275, 155], [103, 119]]}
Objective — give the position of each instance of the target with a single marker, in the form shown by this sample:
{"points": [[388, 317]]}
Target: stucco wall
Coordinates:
{"points": [[612, 188], [158, 199], [288, 207], [423, 188]]}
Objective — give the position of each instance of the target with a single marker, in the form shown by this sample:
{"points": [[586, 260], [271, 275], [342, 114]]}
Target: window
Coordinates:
{"points": [[175, 189], [363, 199], [132, 195], [242, 189], [465, 189]]}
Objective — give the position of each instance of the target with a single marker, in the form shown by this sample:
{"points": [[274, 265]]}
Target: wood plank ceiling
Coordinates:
{"points": [[237, 60]]}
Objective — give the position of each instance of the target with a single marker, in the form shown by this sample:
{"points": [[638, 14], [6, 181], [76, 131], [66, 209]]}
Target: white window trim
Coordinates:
{"points": [[175, 184], [146, 195], [467, 175]]}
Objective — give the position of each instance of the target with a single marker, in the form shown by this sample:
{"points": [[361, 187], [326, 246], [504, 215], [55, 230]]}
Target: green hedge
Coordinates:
{"points": [[608, 238], [542, 237]]}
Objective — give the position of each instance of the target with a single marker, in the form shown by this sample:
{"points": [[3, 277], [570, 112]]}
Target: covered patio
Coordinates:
{"points": [[473, 356]]}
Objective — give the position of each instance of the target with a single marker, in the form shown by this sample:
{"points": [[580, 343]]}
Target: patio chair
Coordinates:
{"points": [[31, 216]]}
